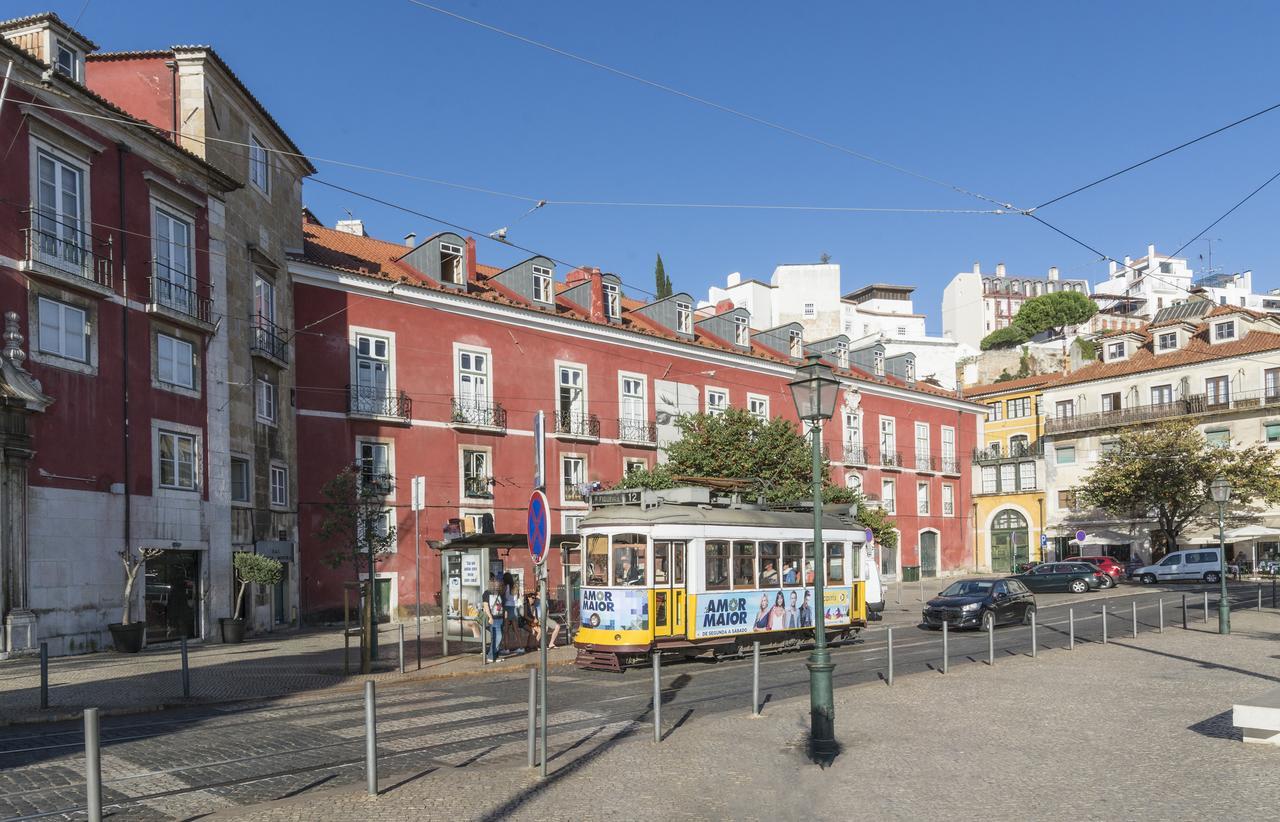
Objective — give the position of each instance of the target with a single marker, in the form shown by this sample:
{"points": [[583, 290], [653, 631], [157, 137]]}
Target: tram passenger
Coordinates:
{"points": [[789, 574], [806, 612], [778, 614], [629, 574], [793, 617], [762, 618], [769, 574]]}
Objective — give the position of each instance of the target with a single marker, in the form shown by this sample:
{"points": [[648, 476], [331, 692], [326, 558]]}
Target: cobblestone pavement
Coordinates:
{"points": [[1118, 719]]}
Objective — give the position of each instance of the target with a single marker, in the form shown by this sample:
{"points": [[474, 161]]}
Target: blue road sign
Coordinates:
{"points": [[870, 536], [539, 526], [1080, 535], [1044, 540]]}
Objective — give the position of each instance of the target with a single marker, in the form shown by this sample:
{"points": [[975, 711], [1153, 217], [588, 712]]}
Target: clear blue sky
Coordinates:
{"points": [[1022, 101]]}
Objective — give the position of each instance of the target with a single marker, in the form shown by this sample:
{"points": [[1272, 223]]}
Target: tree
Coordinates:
{"points": [[254, 569], [1164, 472], [740, 445], [1054, 312], [1007, 337], [661, 282], [132, 564]]}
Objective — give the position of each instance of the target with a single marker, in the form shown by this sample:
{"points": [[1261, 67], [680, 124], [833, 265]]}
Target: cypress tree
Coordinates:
{"points": [[661, 282]]}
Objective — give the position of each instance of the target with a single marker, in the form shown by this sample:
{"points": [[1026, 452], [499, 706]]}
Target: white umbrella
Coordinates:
{"points": [[1254, 533]]}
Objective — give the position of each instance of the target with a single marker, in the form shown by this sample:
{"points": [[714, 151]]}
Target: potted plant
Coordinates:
{"points": [[126, 635], [250, 569]]}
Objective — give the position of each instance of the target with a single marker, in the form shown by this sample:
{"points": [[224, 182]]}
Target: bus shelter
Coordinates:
{"points": [[467, 565]]}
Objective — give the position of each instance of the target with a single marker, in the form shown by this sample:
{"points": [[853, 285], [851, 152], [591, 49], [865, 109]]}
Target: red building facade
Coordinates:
{"points": [[415, 360]]}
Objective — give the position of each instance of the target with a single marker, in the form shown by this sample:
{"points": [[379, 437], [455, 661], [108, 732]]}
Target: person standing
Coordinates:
{"points": [[491, 602], [510, 607]]}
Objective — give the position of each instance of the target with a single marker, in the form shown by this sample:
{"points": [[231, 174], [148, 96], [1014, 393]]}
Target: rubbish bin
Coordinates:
{"points": [[911, 573]]}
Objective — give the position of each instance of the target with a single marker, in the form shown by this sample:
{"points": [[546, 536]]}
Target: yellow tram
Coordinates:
{"points": [[693, 571]]}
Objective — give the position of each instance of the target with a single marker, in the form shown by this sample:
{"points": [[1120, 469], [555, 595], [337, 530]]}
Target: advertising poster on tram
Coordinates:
{"points": [[745, 612], [615, 609]]}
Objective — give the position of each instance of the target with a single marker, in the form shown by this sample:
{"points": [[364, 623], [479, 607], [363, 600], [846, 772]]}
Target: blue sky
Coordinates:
{"points": [[1020, 101]]}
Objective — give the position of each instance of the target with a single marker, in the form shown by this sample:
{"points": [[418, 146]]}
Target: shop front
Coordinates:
{"points": [[173, 596]]}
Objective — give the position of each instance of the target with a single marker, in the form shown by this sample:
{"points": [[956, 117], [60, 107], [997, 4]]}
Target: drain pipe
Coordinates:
{"points": [[121, 150]]}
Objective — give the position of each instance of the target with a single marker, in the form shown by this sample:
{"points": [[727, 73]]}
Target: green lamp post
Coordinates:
{"points": [[814, 393], [1220, 490]]}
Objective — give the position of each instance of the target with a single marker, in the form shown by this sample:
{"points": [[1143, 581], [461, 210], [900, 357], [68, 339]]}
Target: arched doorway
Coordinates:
{"points": [[1010, 540], [928, 553]]}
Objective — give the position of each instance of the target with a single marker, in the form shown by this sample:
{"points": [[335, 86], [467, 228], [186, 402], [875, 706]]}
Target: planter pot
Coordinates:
{"points": [[127, 639], [232, 630]]}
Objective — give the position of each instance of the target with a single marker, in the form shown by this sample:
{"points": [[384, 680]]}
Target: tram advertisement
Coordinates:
{"points": [[745, 612], [615, 609]]}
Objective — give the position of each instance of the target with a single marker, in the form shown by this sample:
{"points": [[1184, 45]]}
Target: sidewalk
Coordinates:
{"points": [[270, 666], [924, 748]]}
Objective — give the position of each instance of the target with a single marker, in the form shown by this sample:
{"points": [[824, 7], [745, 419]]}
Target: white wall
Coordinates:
{"points": [[963, 309], [817, 283]]}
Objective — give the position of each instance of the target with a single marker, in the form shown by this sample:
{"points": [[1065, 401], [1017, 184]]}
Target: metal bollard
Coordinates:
{"points": [[1184, 612], [44, 675], [401, 647], [898, 591], [657, 697], [1135, 618], [991, 645], [92, 765], [186, 672], [889, 678], [1071, 629], [1259, 599], [1273, 592], [1033, 634], [533, 714], [922, 587], [755, 679], [1206, 606], [370, 740], [1162, 615], [946, 651], [1104, 623]]}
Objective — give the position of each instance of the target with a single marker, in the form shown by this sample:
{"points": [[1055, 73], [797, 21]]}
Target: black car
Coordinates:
{"points": [[980, 603], [1076, 577]]}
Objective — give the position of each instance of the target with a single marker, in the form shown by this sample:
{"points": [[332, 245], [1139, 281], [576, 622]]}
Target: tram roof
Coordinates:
{"points": [[667, 514]]}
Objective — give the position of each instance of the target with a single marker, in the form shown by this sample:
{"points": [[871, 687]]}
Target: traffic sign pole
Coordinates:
{"points": [[538, 537]]}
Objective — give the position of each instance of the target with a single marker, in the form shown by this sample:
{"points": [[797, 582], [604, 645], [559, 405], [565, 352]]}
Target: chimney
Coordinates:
{"points": [[734, 279], [1151, 251], [578, 275], [999, 269], [355, 227], [724, 305], [1053, 272], [1112, 268], [597, 295], [977, 268], [411, 239], [471, 259]]}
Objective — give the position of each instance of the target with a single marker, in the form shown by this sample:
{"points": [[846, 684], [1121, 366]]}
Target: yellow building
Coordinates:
{"points": [[1009, 474]]}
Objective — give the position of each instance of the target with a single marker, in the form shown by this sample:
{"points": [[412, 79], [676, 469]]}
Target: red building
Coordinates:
{"points": [[415, 360]]}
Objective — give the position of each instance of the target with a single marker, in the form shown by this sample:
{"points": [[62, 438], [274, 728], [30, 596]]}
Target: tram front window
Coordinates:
{"points": [[835, 563], [677, 563], [744, 565], [661, 562], [717, 565], [792, 557], [597, 560], [628, 559], [768, 564]]}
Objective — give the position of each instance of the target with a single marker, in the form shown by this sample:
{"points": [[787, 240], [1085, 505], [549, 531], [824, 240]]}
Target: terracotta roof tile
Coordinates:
{"points": [[1197, 350], [1021, 383]]}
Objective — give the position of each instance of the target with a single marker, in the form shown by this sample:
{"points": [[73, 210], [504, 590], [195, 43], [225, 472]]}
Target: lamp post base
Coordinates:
{"points": [[822, 714], [1224, 615]]}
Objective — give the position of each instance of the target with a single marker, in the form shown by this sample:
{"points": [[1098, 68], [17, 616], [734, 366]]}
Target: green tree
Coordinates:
{"points": [[661, 282], [1164, 472], [355, 520], [739, 445], [254, 569], [1054, 312], [1008, 337]]}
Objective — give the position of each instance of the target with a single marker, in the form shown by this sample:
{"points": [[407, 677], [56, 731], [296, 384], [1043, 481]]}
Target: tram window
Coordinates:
{"points": [[628, 559], [597, 570], [717, 566], [677, 563], [808, 563], [661, 562], [835, 563], [792, 557], [744, 565], [768, 564]]}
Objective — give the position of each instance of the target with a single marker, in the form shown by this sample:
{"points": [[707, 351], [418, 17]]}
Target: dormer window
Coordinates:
{"points": [[741, 332], [612, 302], [1167, 341], [1224, 331], [68, 61], [842, 355], [797, 344], [1115, 351], [541, 284], [451, 264], [684, 318], [877, 363], [910, 371]]}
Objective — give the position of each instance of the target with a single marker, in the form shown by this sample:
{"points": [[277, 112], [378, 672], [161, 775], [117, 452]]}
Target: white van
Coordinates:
{"points": [[1203, 564]]}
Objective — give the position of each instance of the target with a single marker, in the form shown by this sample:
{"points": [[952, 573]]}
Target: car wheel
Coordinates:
{"points": [[1212, 577], [988, 620], [1028, 615], [1148, 579], [1108, 581], [1078, 586]]}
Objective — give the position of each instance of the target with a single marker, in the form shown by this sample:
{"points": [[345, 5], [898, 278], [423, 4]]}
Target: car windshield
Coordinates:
{"points": [[969, 588]]}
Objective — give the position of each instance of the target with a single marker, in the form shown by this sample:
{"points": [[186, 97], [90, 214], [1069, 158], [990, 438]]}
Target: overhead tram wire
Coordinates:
{"points": [[717, 106]]}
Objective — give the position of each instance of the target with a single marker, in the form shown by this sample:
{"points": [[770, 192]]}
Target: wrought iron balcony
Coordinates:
{"points": [[576, 425], [891, 459], [855, 455], [1016, 451], [478, 414], [1193, 404], [926, 461], [61, 249], [478, 487], [177, 292], [376, 401], [950, 465], [636, 431], [268, 339], [377, 484]]}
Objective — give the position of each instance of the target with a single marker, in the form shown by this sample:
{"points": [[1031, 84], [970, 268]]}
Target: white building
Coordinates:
{"points": [[1218, 363], [1143, 287], [975, 304]]}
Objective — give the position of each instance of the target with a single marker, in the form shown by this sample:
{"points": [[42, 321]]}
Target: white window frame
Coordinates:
{"points": [[185, 299], [571, 522], [76, 71], [796, 343], [485, 396], [852, 434], [62, 309], [948, 500], [564, 486], [684, 317], [176, 357], [990, 480], [742, 331], [388, 462], [247, 462], [1230, 329], [463, 493], [579, 406], [949, 462], [892, 431], [458, 276], [612, 301], [266, 401], [371, 405], [1170, 337], [717, 408], [1026, 483], [1164, 392], [179, 433], [264, 299], [543, 286], [877, 363], [629, 463], [923, 428], [278, 481], [259, 165], [758, 406], [842, 355], [889, 499], [922, 499], [1115, 351], [79, 223], [627, 404]]}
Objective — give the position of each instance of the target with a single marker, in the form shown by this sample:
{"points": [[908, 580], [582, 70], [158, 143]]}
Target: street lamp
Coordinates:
{"points": [[814, 393], [1220, 490]]}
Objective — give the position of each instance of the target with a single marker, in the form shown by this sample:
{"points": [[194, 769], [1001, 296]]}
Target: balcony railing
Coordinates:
{"points": [[1015, 451], [467, 412], [577, 425], [926, 461], [855, 455], [950, 465], [891, 459], [1194, 404], [376, 401], [62, 246], [268, 339], [177, 292], [573, 492], [478, 487], [379, 484], [637, 431]]}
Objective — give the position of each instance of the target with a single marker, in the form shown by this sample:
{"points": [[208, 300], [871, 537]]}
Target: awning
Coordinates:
{"points": [[1103, 536], [1248, 532]]}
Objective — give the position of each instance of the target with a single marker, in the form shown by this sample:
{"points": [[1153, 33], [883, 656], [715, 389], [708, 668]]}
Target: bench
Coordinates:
{"points": [[1259, 718]]}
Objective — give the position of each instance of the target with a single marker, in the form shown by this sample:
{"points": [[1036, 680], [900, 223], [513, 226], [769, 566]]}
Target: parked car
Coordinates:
{"points": [[1131, 566], [1202, 564], [1076, 577], [980, 603], [1109, 566]]}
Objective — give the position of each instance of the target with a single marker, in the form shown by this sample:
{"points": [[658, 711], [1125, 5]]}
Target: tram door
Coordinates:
{"points": [[668, 589]]}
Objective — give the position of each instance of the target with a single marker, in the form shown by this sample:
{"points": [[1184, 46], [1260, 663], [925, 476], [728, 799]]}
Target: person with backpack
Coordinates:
{"points": [[491, 603]]}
